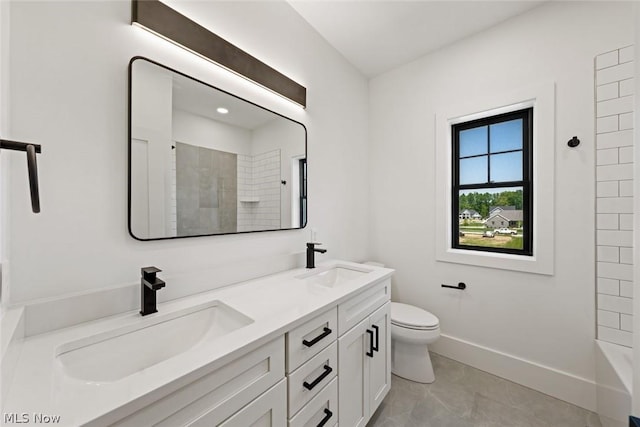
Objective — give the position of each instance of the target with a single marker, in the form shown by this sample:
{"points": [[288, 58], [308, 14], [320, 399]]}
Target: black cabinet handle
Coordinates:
{"points": [[375, 347], [327, 416], [314, 341], [370, 352], [327, 371]]}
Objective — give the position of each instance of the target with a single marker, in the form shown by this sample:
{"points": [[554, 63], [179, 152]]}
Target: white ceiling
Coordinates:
{"points": [[379, 35], [197, 98]]}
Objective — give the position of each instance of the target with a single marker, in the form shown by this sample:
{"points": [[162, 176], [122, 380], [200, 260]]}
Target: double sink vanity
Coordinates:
{"points": [[305, 347]]}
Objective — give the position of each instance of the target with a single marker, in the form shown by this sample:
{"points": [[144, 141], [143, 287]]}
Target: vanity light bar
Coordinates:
{"points": [[167, 23]]}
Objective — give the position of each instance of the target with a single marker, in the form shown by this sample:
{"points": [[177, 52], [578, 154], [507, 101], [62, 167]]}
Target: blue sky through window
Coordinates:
{"points": [[473, 141], [504, 136], [473, 170], [506, 167]]}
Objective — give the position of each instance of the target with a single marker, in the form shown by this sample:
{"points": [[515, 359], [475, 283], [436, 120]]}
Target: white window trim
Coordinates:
{"points": [[542, 99]]}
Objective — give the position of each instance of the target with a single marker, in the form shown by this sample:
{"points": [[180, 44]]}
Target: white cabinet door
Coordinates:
{"points": [[269, 410], [353, 378], [380, 363]]}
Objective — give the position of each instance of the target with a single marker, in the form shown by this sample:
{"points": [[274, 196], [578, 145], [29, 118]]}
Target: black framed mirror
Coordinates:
{"points": [[205, 162]]}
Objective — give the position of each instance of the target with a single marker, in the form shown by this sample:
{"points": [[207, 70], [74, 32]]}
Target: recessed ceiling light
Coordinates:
{"points": [[222, 110]]}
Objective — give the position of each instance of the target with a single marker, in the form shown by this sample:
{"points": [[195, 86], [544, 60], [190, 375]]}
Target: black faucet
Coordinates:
{"points": [[311, 250], [149, 284]]}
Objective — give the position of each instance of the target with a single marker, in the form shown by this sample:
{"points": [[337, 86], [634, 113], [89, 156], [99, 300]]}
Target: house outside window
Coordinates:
{"points": [[492, 183]]}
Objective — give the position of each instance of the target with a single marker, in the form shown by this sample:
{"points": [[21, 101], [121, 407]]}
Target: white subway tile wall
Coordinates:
{"points": [[627, 87], [614, 138], [625, 322], [607, 221], [609, 319], [259, 190], [614, 194], [608, 286], [626, 222], [614, 335], [626, 289]]}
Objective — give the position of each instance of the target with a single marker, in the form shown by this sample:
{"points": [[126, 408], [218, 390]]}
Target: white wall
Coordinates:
{"points": [[4, 63], [4, 158], [69, 92], [190, 128], [505, 320]]}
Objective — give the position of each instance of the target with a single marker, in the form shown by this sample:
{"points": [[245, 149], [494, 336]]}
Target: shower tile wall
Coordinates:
{"points": [[206, 190], [259, 191], [614, 194]]}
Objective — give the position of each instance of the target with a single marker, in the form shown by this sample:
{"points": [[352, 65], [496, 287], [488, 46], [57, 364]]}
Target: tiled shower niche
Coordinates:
{"points": [[259, 191]]}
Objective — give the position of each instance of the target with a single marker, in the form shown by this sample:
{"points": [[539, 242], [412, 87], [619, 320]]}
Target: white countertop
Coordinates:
{"points": [[276, 303]]}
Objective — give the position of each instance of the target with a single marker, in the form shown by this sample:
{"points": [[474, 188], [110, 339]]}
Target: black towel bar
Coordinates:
{"points": [[32, 167], [460, 286]]}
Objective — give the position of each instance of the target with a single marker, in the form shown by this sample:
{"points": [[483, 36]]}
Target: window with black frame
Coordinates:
{"points": [[492, 200]]}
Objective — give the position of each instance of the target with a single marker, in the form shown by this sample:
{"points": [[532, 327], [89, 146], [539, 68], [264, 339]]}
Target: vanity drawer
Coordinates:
{"points": [[268, 410], [354, 310], [323, 407], [307, 381], [310, 338], [218, 394]]}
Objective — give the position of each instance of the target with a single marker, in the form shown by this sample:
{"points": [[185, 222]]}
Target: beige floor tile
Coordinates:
{"points": [[463, 396]]}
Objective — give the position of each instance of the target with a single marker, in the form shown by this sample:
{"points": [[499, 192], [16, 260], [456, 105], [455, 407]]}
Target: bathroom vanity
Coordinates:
{"points": [[299, 348]]}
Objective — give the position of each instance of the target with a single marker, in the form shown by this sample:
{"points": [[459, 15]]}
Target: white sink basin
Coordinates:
{"points": [[333, 276], [115, 354]]}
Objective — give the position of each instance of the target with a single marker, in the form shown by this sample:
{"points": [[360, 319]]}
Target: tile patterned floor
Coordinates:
{"points": [[463, 396]]}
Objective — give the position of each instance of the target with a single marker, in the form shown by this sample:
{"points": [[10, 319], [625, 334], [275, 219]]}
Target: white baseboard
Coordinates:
{"points": [[547, 380]]}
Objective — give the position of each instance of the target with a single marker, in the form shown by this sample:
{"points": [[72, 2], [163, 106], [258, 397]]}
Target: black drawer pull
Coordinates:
{"points": [[327, 371], [327, 417], [370, 352], [375, 347], [326, 332]]}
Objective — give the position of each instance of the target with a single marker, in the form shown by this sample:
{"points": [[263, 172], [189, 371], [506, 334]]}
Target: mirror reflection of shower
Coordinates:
{"points": [[206, 162]]}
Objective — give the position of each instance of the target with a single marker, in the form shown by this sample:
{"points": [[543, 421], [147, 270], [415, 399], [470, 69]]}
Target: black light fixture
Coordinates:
{"points": [[167, 23]]}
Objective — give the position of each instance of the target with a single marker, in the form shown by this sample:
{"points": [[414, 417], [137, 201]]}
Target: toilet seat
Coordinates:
{"points": [[415, 328], [411, 317]]}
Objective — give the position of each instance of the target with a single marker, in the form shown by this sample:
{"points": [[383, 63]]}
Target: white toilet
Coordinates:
{"points": [[412, 328]]}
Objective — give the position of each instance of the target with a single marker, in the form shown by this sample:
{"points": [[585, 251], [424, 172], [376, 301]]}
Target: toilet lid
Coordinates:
{"points": [[411, 316]]}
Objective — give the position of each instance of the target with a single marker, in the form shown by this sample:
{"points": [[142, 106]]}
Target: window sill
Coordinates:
{"points": [[528, 264]]}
